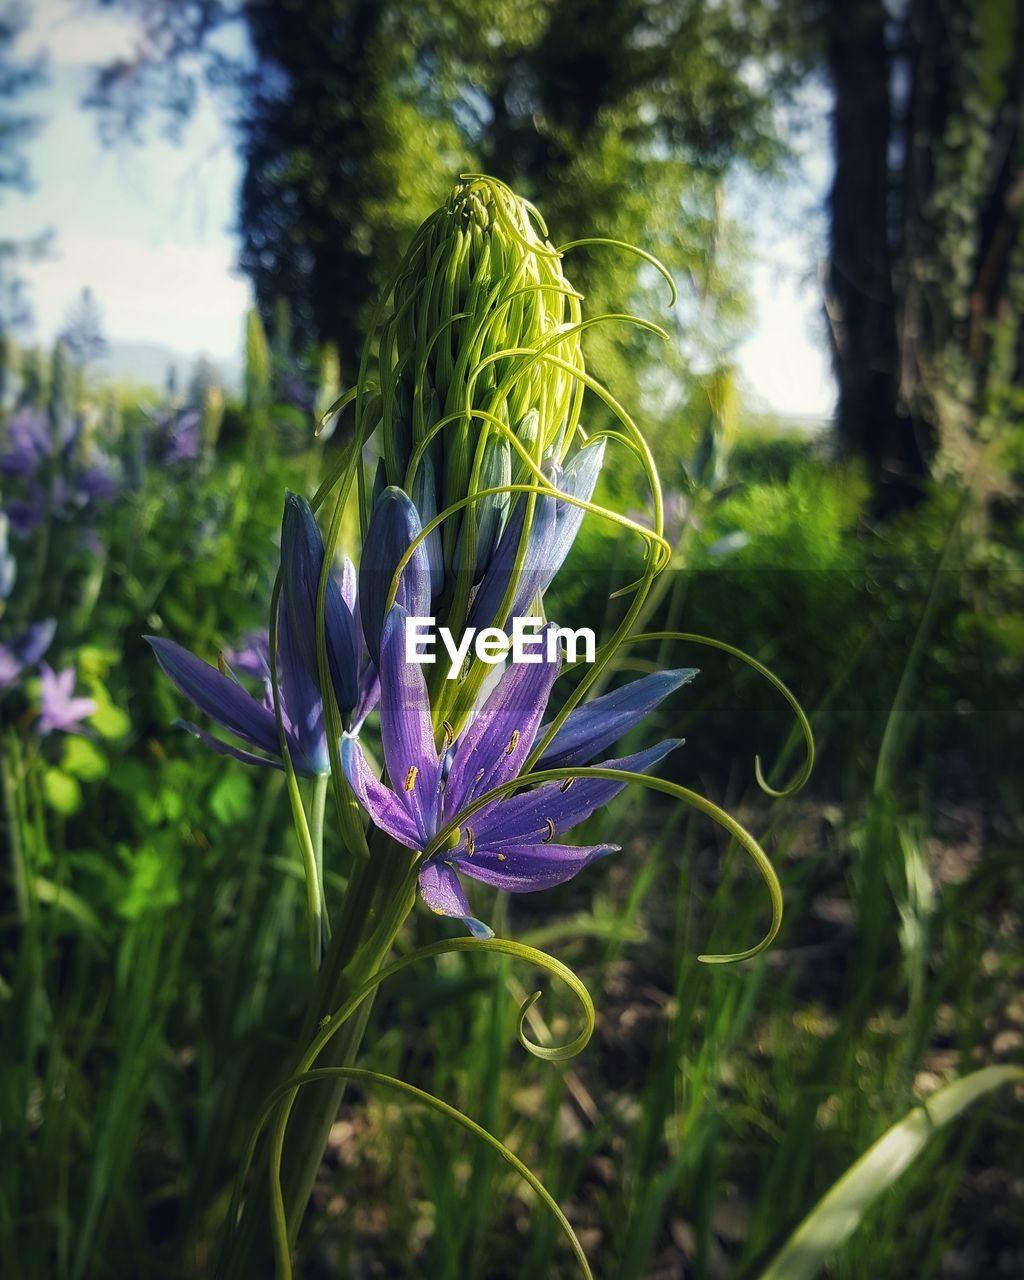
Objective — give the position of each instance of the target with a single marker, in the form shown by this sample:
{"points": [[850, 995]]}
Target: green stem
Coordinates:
{"points": [[314, 893], [380, 896], [19, 872], [317, 834]]}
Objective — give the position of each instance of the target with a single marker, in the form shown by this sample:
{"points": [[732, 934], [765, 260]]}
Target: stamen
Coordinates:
{"points": [[513, 743], [567, 784], [501, 857], [551, 831], [469, 841], [449, 736], [410, 777], [222, 666]]}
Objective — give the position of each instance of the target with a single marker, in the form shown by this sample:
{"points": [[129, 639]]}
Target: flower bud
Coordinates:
{"points": [[479, 315]]}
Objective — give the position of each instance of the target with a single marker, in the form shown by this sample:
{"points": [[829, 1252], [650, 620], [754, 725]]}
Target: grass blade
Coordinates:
{"points": [[840, 1211]]}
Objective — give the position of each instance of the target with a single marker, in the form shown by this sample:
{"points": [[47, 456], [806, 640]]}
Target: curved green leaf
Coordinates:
{"points": [[840, 1211]]}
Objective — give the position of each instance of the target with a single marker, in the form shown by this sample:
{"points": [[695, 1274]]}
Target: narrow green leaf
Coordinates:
{"points": [[62, 899], [841, 1210]]}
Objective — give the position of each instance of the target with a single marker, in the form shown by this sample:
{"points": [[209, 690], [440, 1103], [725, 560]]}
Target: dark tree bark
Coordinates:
{"points": [[926, 217], [1002, 214], [873, 422]]}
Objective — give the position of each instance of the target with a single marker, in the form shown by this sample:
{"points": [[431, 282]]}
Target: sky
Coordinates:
{"points": [[150, 229]]}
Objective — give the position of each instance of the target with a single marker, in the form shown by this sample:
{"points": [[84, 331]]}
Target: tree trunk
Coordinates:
{"points": [[873, 423]]}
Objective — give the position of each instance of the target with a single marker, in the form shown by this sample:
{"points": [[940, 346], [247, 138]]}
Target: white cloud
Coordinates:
{"points": [[76, 34], [187, 297]]}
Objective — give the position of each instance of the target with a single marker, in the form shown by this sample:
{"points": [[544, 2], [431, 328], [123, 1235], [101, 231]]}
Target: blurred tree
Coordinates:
{"points": [[17, 128], [926, 212], [621, 116], [82, 334], [205, 377]]}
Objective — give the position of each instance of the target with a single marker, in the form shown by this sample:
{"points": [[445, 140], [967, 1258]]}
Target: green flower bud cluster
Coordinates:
{"points": [[479, 342]]}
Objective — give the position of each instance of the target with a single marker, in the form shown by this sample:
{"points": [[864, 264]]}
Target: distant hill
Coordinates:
{"points": [[146, 364], [775, 422]]}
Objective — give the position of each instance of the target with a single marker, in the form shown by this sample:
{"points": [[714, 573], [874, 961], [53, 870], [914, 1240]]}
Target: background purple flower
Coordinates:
{"points": [[25, 651], [28, 442], [59, 710]]}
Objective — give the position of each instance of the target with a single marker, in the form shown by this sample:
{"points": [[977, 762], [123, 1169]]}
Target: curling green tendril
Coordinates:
{"points": [[693, 798], [805, 726], [283, 1098], [558, 399]]}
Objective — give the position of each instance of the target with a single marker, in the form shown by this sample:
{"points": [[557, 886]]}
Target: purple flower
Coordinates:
{"points": [[25, 651], [177, 435], [509, 842], [29, 442], [97, 482], [28, 513], [59, 710], [219, 694], [253, 658], [182, 440], [295, 389]]}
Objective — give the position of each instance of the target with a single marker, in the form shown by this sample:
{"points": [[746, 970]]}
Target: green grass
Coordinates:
{"points": [[153, 959]]}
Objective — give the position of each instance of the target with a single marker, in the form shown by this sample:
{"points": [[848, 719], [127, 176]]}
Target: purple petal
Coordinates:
{"points": [[407, 734], [369, 696], [441, 891], [537, 816], [383, 806], [217, 695], [226, 749], [253, 657], [27, 514], [10, 667], [346, 579], [525, 868], [580, 479], [495, 746], [394, 524], [300, 696], [34, 643], [552, 533], [302, 558], [424, 496], [532, 574], [80, 708], [589, 728]]}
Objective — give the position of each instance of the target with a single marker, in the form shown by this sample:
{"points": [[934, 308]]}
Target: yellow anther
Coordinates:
{"points": [[551, 831], [501, 857], [469, 841], [567, 784], [222, 666], [449, 736], [410, 777], [513, 742]]}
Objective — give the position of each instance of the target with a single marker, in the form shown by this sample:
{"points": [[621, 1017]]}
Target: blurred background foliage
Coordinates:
{"points": [[151, 954]]}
